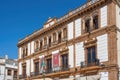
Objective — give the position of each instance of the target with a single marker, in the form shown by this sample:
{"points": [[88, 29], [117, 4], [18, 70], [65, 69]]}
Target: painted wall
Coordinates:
{"points": [[78, 27], [70, 31], [102, 47], [103, 16], [79, 50], [71, 57]]}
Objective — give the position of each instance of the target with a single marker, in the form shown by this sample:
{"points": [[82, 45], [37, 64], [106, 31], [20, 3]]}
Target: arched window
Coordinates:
{"points": [[65, 33], [87, 25], [41, 45], [23, 55], [59, 37], [45, 41], [26, 51], [95, 22], [49, 41], [36, 45], [54, 37]]}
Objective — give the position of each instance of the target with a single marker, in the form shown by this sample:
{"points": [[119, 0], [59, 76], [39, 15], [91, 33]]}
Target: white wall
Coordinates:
{"points": [[78, 27], [32, 47], [118, 33], [20, 68], [71, 57], [104, 75], [2, 72], [28, 49], [12, 66], [118, 16], [79, 50], [28, 67], [9, 77], [102, 47], [32, 65], [70, 31], [104, 16], [118, 47]]}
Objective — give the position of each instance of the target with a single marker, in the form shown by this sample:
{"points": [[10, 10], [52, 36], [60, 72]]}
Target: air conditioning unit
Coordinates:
{"points": [[82, 64]]}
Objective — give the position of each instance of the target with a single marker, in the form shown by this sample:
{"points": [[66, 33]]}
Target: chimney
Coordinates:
{"points": [[6, 56]]}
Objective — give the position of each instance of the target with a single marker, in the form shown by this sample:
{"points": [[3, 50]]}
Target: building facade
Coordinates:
{"points": [[8, 69], [83, 45]]}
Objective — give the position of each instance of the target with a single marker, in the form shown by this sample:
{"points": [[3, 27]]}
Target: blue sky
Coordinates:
{"points": [[18, 18]]}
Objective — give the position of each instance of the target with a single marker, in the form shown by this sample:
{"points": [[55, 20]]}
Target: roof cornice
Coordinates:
{"points": [[66, 18]]}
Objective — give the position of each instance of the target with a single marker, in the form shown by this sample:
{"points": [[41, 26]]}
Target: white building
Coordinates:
{"points": [[8, 69]]}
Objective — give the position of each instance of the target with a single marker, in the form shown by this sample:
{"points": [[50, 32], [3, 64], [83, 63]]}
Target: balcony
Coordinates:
{"points": [[48, 71], [64, 39], [65, 68], [85, 64], [54, 43], [32, 74], [37, 49], [22, 76], [45, 46], [15, 76]]}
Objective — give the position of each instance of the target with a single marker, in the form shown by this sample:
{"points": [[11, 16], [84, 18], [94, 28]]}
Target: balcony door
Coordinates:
{"points": [[59, 37], [65, 62], [49, 65], [91, 55], [36, 68]]}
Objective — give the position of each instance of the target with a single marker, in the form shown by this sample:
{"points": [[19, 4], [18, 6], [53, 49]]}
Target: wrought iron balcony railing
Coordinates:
{"points": [[65, 68], [96, 62], [47, 71], [22, 76]]}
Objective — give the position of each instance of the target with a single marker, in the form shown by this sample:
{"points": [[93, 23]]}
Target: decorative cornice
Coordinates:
{"points": [[70, 16]]}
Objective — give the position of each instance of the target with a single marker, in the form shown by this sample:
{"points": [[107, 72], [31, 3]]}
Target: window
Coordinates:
{"points": [[87, 25], [65, 33], [49, 65], [45, 41], [25, 52], [95, 22], [15, 73], [23, 55], [50, 41], [64, 61], [41, 45], [59, 37], [36, 68], [37, 45], [91, 55], [9, 72], [54, 37], [24, 70]]}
